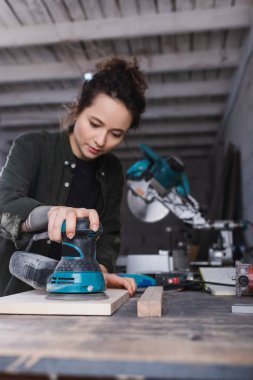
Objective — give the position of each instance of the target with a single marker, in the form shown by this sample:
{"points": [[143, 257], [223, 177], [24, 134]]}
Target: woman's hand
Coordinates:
{"points": [[58, 214], [112, 280]]}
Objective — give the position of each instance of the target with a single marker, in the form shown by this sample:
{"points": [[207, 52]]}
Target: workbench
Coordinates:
{"points": [[197, 337]]}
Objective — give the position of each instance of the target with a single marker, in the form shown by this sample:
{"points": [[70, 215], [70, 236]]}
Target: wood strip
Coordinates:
{"points": [[150, 303], [157, 63], [52, 116], [35, 302], [156, 91], [129, 27]]}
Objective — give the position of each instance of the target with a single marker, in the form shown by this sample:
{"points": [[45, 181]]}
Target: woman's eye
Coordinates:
{"points": [[115, 134], [94, 125]]}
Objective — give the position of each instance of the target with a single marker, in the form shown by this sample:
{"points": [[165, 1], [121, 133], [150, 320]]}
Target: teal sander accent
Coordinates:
{"points": [[78, 270]]}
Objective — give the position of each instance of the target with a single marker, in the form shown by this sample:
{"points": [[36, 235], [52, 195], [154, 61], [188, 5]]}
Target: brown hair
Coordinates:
{"points": [[117, 78]]}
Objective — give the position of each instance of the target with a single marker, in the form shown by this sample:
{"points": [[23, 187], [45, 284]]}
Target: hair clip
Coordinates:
{"points": [[88, 76]]}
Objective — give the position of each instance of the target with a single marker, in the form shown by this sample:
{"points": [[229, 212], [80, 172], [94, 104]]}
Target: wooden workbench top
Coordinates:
{"points": [[197, 337]]}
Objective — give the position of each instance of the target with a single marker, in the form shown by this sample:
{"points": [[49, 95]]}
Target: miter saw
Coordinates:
{"points": [[159, 185]]}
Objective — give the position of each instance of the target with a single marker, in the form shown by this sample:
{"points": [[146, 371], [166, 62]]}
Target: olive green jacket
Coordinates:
{"points": [[39, 171]]}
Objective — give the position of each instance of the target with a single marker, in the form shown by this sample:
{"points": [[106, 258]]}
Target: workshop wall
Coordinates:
{"points": [[239, 131]]}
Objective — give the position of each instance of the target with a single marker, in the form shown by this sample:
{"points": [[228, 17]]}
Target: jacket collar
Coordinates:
{"points": [[69, 155]]}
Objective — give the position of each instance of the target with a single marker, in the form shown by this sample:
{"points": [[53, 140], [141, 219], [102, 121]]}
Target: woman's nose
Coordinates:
{"points": [[100, 139]]}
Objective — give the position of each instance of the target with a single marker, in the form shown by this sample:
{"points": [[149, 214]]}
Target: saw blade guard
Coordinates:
{"points": [[144, 211], [151, 179]]}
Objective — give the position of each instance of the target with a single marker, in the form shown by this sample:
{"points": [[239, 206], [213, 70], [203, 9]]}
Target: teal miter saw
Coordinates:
{"points": [[157, 186]]}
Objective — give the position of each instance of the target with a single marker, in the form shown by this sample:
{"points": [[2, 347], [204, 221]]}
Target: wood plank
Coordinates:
{"points": [[189, 89], [168, 140], [159, 63], [155, 91], [183, 41], [108, 9], [57, 10], [186, 140], [177, 128], [30, 13], [201, 41], [148, 129], [129, 27], [52, 116], [133, 154], [150, 303], [7, 17], [184, 110], [35, 302]]}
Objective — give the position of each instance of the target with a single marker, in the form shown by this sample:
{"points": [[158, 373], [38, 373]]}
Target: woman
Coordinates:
{"points": [[50, 177]]}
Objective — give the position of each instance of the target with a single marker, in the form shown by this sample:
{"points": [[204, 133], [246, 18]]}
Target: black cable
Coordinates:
{"points": [[217, 283], [8, 286], [193, 285], [209, 282]]}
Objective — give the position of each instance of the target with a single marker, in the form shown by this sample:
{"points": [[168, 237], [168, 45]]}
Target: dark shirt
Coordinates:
{"points": [[85, 188], [84, 192]]}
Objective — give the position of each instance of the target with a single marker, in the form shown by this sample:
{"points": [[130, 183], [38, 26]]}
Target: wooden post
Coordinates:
{"points": [[150, 303]]}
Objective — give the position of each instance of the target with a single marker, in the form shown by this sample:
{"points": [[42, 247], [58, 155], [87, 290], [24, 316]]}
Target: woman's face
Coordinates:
{"points": [[100, 127]]}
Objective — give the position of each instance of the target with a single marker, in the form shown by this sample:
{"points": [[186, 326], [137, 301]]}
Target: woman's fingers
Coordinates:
{"points": [[130, 285], [71, 223], [115, 281], [58, 214], [52, 233], [92, 215]]}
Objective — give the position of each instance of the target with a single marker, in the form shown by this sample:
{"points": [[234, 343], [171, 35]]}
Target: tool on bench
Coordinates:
{"points": [[244, 279], [159, 185], [77, 276], [78, 271], [168, 280]]}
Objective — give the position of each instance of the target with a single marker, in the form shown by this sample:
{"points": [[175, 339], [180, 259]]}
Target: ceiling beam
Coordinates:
{"points": [[155, 142], [27, 118], [149, 129], [178, 128], [155, 91], [53, 117], [160, 63], [134, 26], [184, 148], [135, 154], [169, 141], [184, 111], [187, 89]]}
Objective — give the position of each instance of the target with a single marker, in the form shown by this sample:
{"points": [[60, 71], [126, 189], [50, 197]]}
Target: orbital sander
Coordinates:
{"points": [[78, 271], [77, 276]]}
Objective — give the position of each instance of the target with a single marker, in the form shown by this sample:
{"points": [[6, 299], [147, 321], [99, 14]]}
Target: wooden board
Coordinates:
{"points": [[222, 275], [192, 340], [35, 302], [150, 303]]}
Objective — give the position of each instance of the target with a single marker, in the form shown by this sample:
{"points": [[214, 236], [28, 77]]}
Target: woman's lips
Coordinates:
{"points": [[93, 150]]}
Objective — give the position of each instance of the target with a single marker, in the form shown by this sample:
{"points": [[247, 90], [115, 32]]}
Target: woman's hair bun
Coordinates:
{"points": [[130, 67]]}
